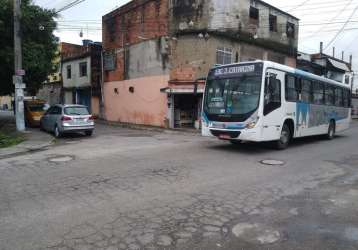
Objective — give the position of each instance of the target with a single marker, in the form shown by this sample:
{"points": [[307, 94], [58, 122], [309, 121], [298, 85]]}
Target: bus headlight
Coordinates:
{"points": [[252, 122]]}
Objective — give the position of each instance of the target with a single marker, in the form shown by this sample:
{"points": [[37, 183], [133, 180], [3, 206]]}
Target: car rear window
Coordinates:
{"points": [[37, 108], [76, 111]]}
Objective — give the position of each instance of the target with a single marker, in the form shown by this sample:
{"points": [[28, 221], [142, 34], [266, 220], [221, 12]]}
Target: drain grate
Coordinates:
{"points": [[272, 162]]}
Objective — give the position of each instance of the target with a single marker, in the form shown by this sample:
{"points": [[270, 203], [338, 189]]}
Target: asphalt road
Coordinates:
{"points": [[133, 189]]}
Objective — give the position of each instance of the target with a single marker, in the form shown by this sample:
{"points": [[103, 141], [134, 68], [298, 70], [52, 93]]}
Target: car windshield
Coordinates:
{"points": [[76, 111], [37, 107], [234, 96]]}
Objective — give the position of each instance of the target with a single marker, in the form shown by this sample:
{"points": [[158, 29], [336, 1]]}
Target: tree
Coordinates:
{"points": [[38, 42]]}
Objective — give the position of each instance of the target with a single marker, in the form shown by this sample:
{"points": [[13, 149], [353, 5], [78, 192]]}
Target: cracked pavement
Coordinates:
{"points": [[133, 189]]}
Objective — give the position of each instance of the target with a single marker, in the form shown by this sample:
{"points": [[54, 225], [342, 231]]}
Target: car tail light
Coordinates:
{"points": [[66, 118], [91, 118]]}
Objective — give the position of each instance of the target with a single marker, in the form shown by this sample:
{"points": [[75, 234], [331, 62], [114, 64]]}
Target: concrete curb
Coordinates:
{"points": [[24, 148], [149, 128]]}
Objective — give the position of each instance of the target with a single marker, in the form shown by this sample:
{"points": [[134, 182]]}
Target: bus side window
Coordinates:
{"points": [[272, 94], [345, 98], [348, 99], [339, 97], [329, 95], [292, 89], [318, 93], [306, 91]]}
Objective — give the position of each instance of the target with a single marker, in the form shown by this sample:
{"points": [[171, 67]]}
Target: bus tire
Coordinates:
{"points": [[285, 138], [331, 130]]}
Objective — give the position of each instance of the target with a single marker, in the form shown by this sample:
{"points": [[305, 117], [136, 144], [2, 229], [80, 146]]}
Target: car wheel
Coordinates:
{"points": [[89, 133], [57, 132], [285, 138], [331, 131]]}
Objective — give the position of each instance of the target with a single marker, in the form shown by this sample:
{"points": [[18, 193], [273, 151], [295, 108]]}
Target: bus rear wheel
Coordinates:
{"points": [[285, 138], [331, 131]]}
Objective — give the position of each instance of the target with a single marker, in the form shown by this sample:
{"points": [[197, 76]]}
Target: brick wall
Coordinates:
{"points": [[69, 50], [132, 23]]}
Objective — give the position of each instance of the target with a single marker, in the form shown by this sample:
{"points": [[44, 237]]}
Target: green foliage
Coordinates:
{"points": [[10, 140], [39, 45]]}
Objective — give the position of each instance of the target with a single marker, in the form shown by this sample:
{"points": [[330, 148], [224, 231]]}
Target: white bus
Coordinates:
{"points": [[355, 107], [265, 101]]}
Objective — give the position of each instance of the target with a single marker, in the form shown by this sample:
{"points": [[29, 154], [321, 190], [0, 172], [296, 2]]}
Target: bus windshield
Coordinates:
{"points": [[233, 96]]}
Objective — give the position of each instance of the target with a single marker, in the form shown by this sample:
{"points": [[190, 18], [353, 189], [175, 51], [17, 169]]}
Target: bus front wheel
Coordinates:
{"points": [[285, 138], [331, 131]]}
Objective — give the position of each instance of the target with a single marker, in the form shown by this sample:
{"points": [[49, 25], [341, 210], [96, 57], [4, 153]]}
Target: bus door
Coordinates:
{"points": [[273, 108]]}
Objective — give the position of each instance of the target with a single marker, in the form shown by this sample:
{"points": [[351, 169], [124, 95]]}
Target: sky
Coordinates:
{"points": [[320, 20]]}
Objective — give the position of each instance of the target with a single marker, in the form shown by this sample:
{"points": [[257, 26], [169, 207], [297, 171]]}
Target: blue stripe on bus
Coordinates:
{"points": [[205, 118]]}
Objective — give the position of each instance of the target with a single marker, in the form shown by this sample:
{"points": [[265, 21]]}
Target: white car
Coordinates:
{"points": [[61, 119]]}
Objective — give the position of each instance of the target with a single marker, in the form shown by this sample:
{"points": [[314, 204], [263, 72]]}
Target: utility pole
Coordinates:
{"points": [[19, 72]]}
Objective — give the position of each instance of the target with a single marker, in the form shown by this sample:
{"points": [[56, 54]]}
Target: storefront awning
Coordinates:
{"points": [[339, 65]]}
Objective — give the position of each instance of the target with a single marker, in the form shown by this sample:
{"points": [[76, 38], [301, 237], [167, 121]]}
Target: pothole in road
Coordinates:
{"points": [[272, 162], [256, 233], [60, 159]]}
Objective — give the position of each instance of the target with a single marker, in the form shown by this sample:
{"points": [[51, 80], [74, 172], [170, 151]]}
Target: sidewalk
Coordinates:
{"points": [[150, 128], [35, 139]]}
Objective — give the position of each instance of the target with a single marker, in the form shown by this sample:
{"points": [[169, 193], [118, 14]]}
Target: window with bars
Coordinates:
{"points": [[69, 72], [83, 69], [224, 55], [273, 23]]}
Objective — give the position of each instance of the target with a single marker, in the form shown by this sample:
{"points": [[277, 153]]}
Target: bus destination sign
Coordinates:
{"points": [[236, 70]]}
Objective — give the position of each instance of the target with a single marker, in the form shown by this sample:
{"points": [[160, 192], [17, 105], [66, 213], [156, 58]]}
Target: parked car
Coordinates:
{"points": [[61, 119], [34, 110]]}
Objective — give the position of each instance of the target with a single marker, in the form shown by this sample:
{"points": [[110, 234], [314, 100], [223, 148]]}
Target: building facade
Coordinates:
{"points": [[81, 71], [157, 53], [327, 66], [6, 103], [51, 89]]}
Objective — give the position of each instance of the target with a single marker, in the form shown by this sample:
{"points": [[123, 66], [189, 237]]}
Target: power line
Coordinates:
{"points": [[351, 43], [314, 3], [300, 5], [334, 18], [327, 7], [70, 5], [342, 29]]}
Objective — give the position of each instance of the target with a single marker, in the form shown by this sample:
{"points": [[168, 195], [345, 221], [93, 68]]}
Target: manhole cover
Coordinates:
{"points": [[272, 162], [61, 159]]}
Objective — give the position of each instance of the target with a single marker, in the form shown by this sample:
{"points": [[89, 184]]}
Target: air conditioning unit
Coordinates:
{"points": [[164, 45]]}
